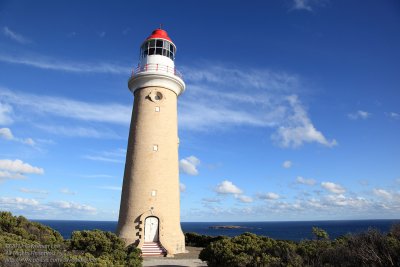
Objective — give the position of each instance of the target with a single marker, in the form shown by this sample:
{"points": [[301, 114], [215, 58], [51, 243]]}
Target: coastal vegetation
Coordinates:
{"points": [[26, 243], [369, 248]]}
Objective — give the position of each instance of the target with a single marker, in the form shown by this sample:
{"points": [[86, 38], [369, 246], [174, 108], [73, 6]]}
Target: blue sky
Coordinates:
{"points": [[291, 110]]}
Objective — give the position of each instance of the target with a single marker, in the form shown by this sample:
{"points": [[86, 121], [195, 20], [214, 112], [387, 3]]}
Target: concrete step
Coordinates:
{"points": [[153, 249]]}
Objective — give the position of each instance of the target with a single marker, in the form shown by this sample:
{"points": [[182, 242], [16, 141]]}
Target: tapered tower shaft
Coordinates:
{"points": [[150, 204]]}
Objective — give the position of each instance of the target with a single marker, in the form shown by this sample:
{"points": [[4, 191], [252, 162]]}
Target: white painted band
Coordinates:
{"points": [[157, 78]]}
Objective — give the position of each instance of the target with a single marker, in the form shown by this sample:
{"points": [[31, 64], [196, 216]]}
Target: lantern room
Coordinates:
{"points": [[158, 43], [156, 66]]}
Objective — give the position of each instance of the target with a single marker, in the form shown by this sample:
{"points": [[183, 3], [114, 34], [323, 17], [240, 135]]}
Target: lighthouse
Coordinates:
{"points": [[149, 215]]}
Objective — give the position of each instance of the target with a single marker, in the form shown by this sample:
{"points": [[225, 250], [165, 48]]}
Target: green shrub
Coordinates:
{"points": [[250, 250], [320, 234], [134, 257], [33, 231], [196, 240], [370, 248], [85, 249], [100, 244]]}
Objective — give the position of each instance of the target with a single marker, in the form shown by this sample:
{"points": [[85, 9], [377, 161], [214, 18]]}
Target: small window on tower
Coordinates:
{"points": [[155, 147], [157, 109]]}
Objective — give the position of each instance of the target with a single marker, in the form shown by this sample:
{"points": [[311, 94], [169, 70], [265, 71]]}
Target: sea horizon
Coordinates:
{"points": [[319, 220], [283, 230]]}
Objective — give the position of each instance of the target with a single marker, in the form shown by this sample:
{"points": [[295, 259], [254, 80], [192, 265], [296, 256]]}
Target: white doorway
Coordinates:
{"points": [[151, 229]]}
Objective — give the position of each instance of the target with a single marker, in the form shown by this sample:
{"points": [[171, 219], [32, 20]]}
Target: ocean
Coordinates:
{"points": [[295, 231]]}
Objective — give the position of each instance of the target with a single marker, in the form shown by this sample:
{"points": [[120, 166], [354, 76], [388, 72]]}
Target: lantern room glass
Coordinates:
{"points": [[157, 47]]}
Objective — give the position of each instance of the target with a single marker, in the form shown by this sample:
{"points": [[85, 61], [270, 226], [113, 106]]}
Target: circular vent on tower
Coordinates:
{"points": [[156, 96]]}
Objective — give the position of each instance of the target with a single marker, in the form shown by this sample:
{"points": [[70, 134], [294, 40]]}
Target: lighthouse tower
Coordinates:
{"points": [[149, 213]]}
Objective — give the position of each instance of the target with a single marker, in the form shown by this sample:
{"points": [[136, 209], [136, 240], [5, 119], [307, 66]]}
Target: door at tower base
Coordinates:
{"points": [[151, 229]]}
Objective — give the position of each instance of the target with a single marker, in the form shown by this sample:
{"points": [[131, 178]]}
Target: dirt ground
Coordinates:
{"points": [[185, 259]]}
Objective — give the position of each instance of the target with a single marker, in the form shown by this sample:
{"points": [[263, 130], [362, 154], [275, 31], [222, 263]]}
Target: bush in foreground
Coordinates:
{"points": [[25, 243], [196, 240], [370, 248], [250, 250]]}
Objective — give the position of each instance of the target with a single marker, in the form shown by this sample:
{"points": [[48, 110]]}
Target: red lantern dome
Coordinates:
{"points": [[159, 34]]}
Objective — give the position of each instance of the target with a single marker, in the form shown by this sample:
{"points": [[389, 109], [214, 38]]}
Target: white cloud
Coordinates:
{"points": [[268, 196], [53, 209], [189, 165], [29, 141], [17, 166], [287, 164], [302, 5], [72, 207], [393, 115], [244, 199], [101, 158], [231, 107], [6, 133], [5, 111], [339, 200], [211, 200], [10, 175], [182, 187], [18, 202], [64, 107], [33, 191], [48, 63], [323, 207], [295, 137], [114, 156], [320, 206], [67, 191], [202, 115], [72, 131], [332, 187], [257, 79], [382, 193], [301, 180], [227, 187], [15, 36], [299, 129], [308, 5], [272, 103], [359, 114]]}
